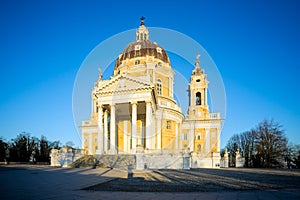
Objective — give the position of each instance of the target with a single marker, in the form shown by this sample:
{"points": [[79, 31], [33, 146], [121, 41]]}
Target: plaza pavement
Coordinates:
{"points": [[44, 182]]}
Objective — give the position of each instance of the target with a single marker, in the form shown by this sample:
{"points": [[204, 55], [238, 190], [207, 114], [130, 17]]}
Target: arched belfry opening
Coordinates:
{"points": [[198, 99]]}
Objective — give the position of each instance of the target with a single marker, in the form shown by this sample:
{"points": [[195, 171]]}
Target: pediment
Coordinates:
{"points": [[124, 83]]}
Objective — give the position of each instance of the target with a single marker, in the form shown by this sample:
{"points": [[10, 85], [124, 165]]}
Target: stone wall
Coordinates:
{"points": [[162, 161], [198, 161], [239, 160], [65, 156]]}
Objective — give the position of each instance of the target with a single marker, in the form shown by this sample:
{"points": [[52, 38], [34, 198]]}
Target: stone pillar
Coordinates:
{"points": [[239, 160], [92, 105], [125, 132], [90, 143], [192, 137], [176, 136], [205, 93], [225, 159], [82, 141], [133, 124], [170, 90], [105, 131], [158, 133], [100, 131], [112, 129], [218, 139], [148, 134], [207, 139]]}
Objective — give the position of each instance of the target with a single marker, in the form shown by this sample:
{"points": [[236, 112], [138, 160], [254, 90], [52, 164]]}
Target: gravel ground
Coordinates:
{"points": [[203, 180]]}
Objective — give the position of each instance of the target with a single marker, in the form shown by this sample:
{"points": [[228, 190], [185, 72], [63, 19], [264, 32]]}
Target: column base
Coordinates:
{"points": [[99, 152], [112, 152]]}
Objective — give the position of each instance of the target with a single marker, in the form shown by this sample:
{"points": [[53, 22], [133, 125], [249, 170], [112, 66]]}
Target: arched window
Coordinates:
{"points": [[198, 137], [168, 124], [137, 62], [199, 148], [198, 98], [159, 87]]}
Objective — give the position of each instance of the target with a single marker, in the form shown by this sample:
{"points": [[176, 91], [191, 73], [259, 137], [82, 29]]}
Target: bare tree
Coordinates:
{"points": [[271, 144], [264, 146], [3, 147]]}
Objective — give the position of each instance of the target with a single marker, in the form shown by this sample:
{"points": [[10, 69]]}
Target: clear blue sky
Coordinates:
{"points": [[255, 45]]}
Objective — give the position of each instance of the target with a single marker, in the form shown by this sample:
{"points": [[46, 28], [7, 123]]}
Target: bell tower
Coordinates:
{"points": [[198, 107]]}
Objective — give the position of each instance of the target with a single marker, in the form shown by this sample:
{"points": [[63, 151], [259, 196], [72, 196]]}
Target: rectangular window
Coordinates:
{"points": [[213, 135], [184, 136], [168, 124]]}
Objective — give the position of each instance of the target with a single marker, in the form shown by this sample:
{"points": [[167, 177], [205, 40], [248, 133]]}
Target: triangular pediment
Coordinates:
{"points": [[124, 83]]}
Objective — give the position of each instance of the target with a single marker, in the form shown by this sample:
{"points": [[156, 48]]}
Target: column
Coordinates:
{"points": [[158, 133], [205, 92], [176, 133], [180, 136], [100, 130], [92, 105], [218, 140], [133, 124], [207, 141], [125, 136], [153, 135], [112, 129], [105, 131], [170, 87], [192, 137], [193, 96], [148, 125], [82, 141], [90, 143]]}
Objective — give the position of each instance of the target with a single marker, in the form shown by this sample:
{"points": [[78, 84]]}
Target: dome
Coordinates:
{"points": [[142, 47]]}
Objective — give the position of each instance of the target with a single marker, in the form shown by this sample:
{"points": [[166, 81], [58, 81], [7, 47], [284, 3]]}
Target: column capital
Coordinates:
{"points": [[133, 102]]}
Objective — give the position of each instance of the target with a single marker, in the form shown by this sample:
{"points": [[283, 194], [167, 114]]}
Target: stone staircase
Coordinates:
{"points": [[123, 162]]}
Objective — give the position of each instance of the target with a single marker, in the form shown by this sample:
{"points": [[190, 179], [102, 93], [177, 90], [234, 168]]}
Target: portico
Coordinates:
{"points": [[125, 122]]}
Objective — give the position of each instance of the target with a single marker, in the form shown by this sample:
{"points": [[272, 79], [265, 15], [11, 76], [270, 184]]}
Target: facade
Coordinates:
{"points": [[135, 111]]}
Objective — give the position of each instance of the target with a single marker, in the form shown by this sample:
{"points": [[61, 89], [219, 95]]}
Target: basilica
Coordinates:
{"points": [[135, 113]]}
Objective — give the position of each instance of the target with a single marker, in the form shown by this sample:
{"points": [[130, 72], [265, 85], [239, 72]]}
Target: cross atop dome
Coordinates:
{"points": [[142, 20]]}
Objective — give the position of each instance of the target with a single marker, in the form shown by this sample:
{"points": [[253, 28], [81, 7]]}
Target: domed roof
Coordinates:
{"points": [[142, 47]]}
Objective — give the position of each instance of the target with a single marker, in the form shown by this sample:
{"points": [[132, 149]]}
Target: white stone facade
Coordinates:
{"points": [[134, 112], [65, 156]]}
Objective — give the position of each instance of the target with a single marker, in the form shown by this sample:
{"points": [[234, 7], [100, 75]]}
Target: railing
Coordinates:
{"points": [[208, 116], [214, 115], [168, 104], [86, 123]]}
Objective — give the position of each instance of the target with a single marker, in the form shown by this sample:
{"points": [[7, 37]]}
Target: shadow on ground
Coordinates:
{"points": [[202, 180]]}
